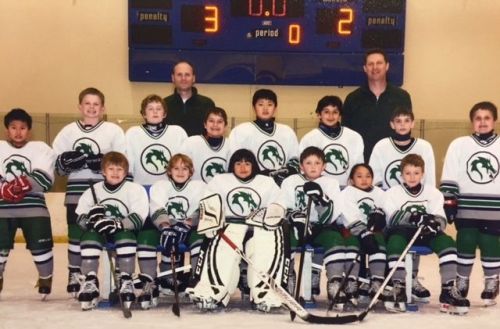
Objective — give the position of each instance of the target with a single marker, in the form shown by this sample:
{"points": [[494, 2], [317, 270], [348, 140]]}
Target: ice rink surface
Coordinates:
{"points": [[20, 306]]}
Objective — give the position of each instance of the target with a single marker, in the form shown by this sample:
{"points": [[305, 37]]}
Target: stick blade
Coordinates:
{"points": [[176, 310], [292, 315], [344, 319]]}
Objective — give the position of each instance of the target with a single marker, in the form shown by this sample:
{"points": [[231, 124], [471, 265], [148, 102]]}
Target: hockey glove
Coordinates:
{"points": [[24, 184], [376, 220], [95, 214], [93, 162], [450, 207], [71, 161], [108, 225], [298, 221], [11, 192], [368, 242], [172, 236], [314, 191], [428, 222]]}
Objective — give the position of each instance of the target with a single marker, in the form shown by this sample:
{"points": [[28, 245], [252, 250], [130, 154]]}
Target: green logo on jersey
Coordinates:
{"points": [[482, 164], [113, 211], [157, 159], [176, 209], [482, 167], [300, 199], [213, 168], [337, 159], [270, 153], [84, 148], [395, 173], [243, 200], [16, 168], [365, 208], [418, 208]]}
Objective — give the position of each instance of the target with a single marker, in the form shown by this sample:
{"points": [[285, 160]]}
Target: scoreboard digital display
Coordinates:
{"points": [[290, 42]]}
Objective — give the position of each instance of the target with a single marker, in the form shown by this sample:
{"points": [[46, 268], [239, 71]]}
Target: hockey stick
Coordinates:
{"points": [[343, 283], [302, 241], [175, 306], [285, 297], [374, 300], [125, 310]]}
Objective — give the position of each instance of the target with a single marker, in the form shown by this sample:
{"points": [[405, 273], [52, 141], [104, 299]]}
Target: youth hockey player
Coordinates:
{"points": [[411, 205], [26, 172], [386, 163], [472, 194], [150, 147], [343, 147], [242, 191], [174, 212], [121, 209], [79, 147], [209, 152], [363, 216], [322, 231], [274, 144]]}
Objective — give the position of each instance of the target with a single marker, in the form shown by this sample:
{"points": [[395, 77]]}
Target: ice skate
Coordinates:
{"points": [[395, 301], [292, 282], [1, 283], [44, 286], [149, 294], [490, 292], [243, 285], [89, 292], [452, 301], [462, 284], [351, 291], [73, 286], [333, 287], [127, 290], [315, 281], [418, 292]]}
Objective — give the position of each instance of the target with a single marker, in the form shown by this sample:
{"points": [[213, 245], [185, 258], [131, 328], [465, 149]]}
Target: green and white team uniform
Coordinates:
{"points": [[208, 161], [385, 161], [99, 139], [273, 150], [470, 173], [342, 152], [34, 161], [357, 204], [148, 155], [220, 273]]}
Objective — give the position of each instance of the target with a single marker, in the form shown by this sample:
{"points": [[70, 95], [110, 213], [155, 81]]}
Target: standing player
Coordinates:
{"points": [[409, 206], [209, 152], [121, 209], [150, 147], [343, 147], [275, 145], [472, 192], [242, 191], [79, 147], [324, 192], [26, 172]]}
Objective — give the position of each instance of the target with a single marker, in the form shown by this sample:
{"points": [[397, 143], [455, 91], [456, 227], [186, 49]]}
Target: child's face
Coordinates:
{"points": [[362, 178], [402, 124], [264, 109], [114, 174], [18, 133], [242, 169], [483, 122], [312, 167], [329, 116], [91, 107], [154, 113], [215, 125], [180, 172], [412, 175]]}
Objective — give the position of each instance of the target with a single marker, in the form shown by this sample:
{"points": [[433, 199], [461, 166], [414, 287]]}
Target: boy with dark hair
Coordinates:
{"points": [[79, 147], [274, 144], [343, 147], [472, 199], [409, 206], [119, 213], [26, 173]]}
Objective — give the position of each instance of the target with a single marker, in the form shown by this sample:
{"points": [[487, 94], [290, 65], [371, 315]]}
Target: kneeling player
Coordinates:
{"points": [[413, 205], [242, 191], [113, 214]]}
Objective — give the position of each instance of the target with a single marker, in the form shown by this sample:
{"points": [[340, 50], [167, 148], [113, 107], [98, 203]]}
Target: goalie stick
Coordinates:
{"points": [[125, 310], [285, 297]]}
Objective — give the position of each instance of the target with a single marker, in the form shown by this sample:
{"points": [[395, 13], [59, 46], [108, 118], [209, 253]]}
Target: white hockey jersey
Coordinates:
{"points": [[386, 162], [102, 138], [272, 151], [341, 152], [149, 155], [207, 161], [470, 172], [36, 161], [358, 204], [129, 202]]}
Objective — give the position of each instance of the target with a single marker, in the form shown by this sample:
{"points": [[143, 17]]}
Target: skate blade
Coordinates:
{"points": [[423, 300], [127, 304], [395, 307], [489, 302], [87, 306], [44, 297], [455, 310]]}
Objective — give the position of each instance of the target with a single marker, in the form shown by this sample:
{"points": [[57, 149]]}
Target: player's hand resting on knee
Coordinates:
{"points": [[108, 225]]}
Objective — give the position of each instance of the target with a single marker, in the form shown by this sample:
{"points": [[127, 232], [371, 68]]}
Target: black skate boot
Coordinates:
{"points": [[1, 283], [452, 301], [462, 284], [127, 290], [333, 288], [315, 281], [44, 286], [147, 299], [73, 286], [89, 292], [396, 301], [419, 293], [351, 291], [490, 291], [243, 284]]}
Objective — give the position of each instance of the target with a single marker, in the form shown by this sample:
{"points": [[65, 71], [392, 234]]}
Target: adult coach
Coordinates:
{"points": [[368, 109], [185, 107]]}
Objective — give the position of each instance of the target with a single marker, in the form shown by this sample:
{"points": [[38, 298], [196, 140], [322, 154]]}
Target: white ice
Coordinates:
{"points": [[20, 306]]}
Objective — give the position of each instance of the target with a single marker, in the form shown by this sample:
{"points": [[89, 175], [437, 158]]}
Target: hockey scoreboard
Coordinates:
{"points": [[287, 42]]}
